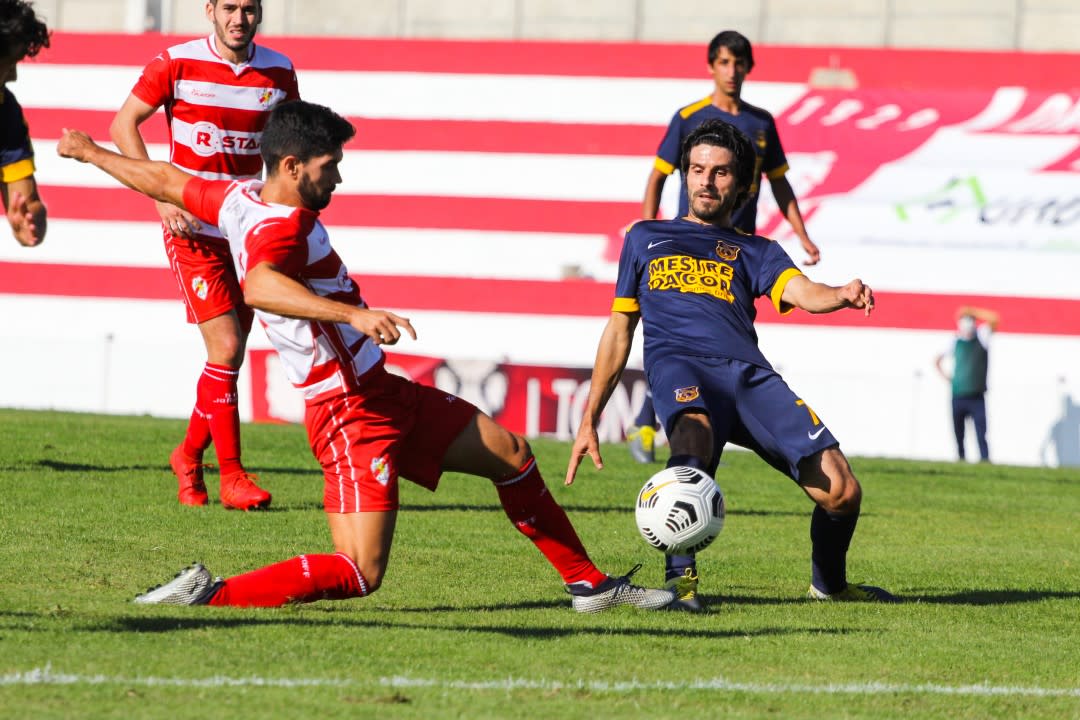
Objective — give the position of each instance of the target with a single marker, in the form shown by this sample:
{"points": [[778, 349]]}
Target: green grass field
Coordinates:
{"points": [[471, 621]]}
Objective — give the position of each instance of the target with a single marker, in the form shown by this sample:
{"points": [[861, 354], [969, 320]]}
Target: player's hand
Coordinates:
{"points": [[178, 222], [381, 325], [858, 295], [813, 255], [586, 443], [22, 221], [75, 144]]}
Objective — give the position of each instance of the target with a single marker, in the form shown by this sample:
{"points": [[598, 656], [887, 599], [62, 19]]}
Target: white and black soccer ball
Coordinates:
{"points": [[680, 510]]}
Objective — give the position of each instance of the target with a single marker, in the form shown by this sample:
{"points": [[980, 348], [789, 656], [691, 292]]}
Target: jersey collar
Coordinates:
{"points": [[211, 41]]}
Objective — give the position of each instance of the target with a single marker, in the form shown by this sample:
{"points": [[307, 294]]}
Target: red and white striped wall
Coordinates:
{"points": [[484, 192]]}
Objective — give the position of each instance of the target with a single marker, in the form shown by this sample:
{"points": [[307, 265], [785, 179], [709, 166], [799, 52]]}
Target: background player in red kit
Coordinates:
{"points": [[217, 93], [366, 426]]}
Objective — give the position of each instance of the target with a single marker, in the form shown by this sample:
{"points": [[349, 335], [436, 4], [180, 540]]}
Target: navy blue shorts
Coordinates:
{"points": [[748, 405]]}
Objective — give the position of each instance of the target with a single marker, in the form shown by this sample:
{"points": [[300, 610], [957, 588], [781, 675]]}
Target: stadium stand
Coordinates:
{"points": [[956, 24]]}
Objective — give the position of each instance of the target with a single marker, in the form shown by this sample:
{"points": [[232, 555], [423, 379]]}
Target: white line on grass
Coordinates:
{"points": [[47, 676]]}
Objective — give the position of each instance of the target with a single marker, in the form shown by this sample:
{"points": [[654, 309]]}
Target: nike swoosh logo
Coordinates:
{"points": [[645, 496], [814, 436], [659, 242]]}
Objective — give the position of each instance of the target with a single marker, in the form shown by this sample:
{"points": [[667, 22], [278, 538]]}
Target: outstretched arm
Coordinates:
{"points": [[789, 206], [815, 297], [611, 356], [267, 288], [158, 180]]}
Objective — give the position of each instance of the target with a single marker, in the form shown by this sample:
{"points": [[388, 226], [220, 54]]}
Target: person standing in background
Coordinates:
{"points": [[217, 92], [970, 355]]}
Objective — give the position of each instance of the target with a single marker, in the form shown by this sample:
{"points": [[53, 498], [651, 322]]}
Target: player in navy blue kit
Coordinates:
{"points": [[731, 58], [692, 281], [22, 34]]}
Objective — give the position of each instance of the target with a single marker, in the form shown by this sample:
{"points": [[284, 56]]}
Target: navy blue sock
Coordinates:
{"points": [[676, 565], [646, 416], [830, 536]]}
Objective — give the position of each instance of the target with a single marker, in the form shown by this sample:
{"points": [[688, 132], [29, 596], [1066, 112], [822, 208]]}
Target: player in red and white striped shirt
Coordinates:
{"points": [[217, 92], [367, 427]]}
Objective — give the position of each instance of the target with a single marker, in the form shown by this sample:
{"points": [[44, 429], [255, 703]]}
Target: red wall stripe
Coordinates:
{"points": [[580, 298], [398, 134], [393, 211], [874, 67]]}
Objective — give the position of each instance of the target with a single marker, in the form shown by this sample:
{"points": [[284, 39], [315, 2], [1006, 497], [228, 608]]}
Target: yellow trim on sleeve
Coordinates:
{"points": [[663, 166], [17, 170], [779, 172], [778, 290], [625, 305], [691, 109]]}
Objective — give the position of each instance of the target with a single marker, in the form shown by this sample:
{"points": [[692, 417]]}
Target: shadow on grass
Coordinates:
{"points": [[906, 469], [584, 509], [180, 624], [991, 597], [60, 466]]}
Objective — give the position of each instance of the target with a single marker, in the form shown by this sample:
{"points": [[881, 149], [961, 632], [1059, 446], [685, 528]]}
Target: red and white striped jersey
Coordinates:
{"points": [[322, 359], [216, 110]]}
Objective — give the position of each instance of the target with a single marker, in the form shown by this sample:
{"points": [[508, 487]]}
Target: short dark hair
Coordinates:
{"points": [[304, 130], [723, 134], [735, 42], [20, 27]]}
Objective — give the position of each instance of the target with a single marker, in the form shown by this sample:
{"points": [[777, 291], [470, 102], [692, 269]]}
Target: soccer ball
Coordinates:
{"points": [[680, 511]]}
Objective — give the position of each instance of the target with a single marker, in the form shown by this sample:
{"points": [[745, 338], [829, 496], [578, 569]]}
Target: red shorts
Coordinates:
{"points": [[204, 270], [396, 427]]}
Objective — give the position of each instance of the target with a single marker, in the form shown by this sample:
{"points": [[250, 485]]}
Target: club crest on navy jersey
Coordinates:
{"points": [[726, 251]]}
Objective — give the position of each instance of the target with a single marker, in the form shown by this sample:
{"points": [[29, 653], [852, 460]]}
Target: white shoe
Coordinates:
{"points": [[191, 586], [618, 591]]}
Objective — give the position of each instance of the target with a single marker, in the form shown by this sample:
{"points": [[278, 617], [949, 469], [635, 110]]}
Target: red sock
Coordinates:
{"points": [[197, 438], [532, 509], [304, 578], [217, 402]]}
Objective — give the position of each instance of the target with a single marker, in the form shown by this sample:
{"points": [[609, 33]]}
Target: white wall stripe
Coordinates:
{"points": [[47, 676], [533, 98], [611, 178]]}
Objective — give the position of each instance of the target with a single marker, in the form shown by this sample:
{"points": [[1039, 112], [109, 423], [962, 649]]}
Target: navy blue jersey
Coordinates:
{"points": [[756, 123], [16, 152], [695, 287]]}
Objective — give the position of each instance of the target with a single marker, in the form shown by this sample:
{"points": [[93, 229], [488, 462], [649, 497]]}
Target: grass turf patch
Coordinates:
{"points": [[472, 622]]}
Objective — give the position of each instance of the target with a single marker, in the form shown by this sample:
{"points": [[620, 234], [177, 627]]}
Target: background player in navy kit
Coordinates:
{"points": [[692, 281], [731, 58], [22, 34]]}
